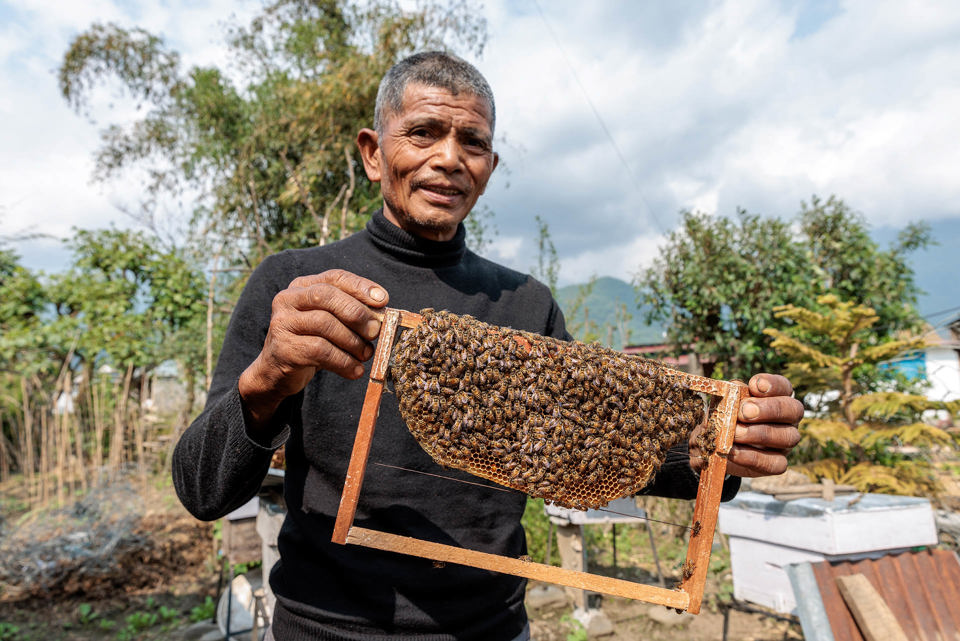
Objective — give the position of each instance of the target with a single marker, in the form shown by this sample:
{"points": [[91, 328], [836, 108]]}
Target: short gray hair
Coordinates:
{"points": [[433, 69]]}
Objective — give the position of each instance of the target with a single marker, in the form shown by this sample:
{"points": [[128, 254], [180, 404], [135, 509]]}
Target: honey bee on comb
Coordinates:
{"points": [[578, 425]]}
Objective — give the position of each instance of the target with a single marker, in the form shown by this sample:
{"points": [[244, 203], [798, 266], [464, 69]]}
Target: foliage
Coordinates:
{"points": [[480, 229], [548, 265], [576, 630], [269, 143], [718, 279], [851, 440], [204, 611], [536, 524], [579, 323], [76, 347], [86, 614]]}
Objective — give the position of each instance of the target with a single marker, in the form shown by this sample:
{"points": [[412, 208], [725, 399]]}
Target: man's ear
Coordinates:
{"points": [[369, 145]]}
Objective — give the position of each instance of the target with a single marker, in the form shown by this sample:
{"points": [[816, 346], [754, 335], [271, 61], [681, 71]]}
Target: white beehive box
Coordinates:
{"points": [[766, 535]]}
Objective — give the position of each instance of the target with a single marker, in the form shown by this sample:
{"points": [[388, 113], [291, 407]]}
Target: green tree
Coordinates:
{"points": [[718, 279], [547, 268], [122, 305], [848, 439], [271, 154]]}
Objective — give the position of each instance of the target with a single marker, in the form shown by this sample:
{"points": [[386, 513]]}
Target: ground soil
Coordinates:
{"points": [[152, 594]]}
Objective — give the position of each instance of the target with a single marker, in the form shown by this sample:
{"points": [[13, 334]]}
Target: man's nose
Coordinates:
{"points": [[448, 154]]}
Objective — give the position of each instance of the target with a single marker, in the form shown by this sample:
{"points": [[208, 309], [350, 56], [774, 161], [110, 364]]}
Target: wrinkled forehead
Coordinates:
{"points": [[421, 98]]}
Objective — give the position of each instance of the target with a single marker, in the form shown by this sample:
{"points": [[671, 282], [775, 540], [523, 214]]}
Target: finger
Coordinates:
{"points": [[325, 355], [363, 289], [749, 461], [348, 310], [770, 385], [324, 324], [776, 409], [765, 435]]}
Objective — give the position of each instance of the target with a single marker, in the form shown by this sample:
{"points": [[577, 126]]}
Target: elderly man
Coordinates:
{"points": [[299, 340]]}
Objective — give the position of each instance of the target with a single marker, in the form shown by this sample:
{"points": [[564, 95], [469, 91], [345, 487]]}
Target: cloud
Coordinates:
{"points": [[621, 260], [732, 104], [47, 161], [708, 105]]}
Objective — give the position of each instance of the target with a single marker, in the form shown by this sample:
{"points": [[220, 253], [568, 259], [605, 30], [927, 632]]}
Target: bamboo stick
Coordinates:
{"points": [[30, 463], [96, 398]]}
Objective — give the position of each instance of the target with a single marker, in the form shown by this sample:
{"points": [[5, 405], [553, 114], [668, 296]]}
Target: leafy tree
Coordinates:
{"points": [[480, 229], [849, 439], [271, 153], [123, 303], [547, 268], [577, 314], [718, 279]]}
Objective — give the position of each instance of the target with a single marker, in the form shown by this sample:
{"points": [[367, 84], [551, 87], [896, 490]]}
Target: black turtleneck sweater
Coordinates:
{"points": [[329, 591]]}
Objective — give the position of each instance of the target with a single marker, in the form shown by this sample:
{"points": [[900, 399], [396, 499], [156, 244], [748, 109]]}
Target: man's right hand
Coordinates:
{"points": [[323, 321]]}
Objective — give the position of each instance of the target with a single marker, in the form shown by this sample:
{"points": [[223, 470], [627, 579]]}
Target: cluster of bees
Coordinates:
{"points": [[575, 424]]}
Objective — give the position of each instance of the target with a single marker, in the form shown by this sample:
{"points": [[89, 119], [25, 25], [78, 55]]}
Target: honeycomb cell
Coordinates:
{"points": [[578, 425]]}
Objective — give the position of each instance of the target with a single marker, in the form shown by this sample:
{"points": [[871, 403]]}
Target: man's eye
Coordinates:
{"points": [[476, 143]]}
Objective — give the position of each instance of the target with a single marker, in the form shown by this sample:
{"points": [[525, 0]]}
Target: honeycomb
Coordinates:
{"points": [[578, 425]]}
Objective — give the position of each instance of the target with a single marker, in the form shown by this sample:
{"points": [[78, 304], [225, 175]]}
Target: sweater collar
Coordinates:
{"points": [[413, 249]]}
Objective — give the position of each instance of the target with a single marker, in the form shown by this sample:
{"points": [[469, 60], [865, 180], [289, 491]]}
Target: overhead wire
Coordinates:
{"points": [[511, 491], [634, 180]]}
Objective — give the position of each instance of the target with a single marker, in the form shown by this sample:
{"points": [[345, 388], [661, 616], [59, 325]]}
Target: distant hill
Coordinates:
{"points": [[607, 295]]}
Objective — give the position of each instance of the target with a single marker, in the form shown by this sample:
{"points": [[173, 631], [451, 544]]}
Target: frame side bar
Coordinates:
{"points": [[517, 567], [365, 428], [708, 498]]}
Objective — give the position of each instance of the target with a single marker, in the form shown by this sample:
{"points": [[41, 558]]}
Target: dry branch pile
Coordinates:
{"points": [[100, 545]]}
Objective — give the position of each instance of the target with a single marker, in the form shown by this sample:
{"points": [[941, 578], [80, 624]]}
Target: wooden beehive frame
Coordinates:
{"points": [[687, 596]]}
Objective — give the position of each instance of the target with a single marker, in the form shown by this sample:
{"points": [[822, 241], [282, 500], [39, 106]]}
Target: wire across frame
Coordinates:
{"points": [[688, 595]]}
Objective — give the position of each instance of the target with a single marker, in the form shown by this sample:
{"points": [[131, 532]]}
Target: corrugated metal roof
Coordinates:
{"points": [[921, 588]]}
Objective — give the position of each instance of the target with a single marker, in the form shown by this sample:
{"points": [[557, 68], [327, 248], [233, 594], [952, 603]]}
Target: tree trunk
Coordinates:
{"points": [[847, 396]]}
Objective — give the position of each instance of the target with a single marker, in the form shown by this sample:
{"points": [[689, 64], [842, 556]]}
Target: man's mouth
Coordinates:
{"points": [[442, 190]]}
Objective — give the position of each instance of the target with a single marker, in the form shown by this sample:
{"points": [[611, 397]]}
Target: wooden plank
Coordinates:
{"points": [[517, 567], [690, 594], [841, 623], [365, 428], [708, 498], [871, 612]]}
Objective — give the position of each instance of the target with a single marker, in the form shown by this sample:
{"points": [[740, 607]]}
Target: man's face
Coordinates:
{"points": [[433, 160]]}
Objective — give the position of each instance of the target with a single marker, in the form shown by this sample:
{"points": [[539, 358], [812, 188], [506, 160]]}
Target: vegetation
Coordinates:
{"points": [[265, 150], [718, 279], [272, 154], [834, 351], [547, 268], [79, 351]]}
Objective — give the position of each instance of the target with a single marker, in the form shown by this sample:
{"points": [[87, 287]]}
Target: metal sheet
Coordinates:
{"points": [[919, 588], [810, 610]]}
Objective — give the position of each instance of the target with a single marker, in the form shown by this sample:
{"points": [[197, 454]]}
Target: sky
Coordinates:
{"points": [[612, 117]]}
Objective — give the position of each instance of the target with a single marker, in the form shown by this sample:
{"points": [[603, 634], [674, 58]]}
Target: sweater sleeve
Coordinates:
{"points": [[677, 480], [217, 465]]}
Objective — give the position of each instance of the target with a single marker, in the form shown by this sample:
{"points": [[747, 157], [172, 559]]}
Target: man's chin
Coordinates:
{"points": [[434, 225]]}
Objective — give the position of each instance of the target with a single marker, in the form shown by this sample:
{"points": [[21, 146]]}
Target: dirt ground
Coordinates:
{"points": [[161, 585]]}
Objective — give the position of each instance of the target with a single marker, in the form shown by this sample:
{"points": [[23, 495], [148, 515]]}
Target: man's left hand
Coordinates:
{"points": [[766, 429]]}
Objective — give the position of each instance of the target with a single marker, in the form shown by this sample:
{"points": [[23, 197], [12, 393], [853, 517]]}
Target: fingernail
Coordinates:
{"points": [[377, 294], [763, 385], [358, 371], [749, 410], [740, 433], [373, 328]]}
